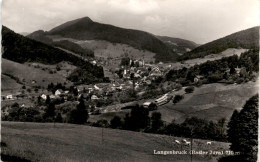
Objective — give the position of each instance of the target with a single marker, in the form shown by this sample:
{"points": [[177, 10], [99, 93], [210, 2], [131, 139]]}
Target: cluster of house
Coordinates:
{"points": [[58, 93], [143, 74]]}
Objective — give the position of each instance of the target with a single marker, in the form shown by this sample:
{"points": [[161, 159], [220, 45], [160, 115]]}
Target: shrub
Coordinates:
{"points": [[189, 89], [177, 98], [116, 122]]}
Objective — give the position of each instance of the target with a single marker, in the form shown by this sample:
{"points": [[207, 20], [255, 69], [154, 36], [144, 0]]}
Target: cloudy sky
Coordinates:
{"points": [[197, 20]]}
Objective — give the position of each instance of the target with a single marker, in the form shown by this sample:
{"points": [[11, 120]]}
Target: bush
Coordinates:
{"points": [[116, 122], [189, 89], [177, 98], [101, 123]]}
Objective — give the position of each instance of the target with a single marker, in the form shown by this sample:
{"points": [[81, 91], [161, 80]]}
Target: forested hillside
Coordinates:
{"points": [[21, 49], [248, 39], [177, 44], [86, 29]]}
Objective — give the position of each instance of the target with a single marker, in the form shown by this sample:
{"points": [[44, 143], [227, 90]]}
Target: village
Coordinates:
{"points": [[130, 84], [132, 76]]}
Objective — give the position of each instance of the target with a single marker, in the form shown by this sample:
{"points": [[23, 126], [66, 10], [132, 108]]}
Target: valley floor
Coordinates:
{"points": [[67, 142]]}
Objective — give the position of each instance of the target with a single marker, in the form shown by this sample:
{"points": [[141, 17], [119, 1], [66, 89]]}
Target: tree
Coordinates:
{"points": [[50, 111], [125, 61], [58, 118], [48, 100], [157, 122], [80, 114], [231, 132], [243, 130], [189, 89], [152, 106], [50, 86], [232, 70], [116, 122], [177, 98], [139, 118]]}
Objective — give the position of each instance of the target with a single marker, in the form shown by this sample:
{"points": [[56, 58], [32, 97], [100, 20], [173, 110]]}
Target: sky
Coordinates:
{"points": [[200, 21]]}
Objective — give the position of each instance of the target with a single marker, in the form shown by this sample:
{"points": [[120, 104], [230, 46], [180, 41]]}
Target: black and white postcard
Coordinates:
{"points": [[129, 80]]}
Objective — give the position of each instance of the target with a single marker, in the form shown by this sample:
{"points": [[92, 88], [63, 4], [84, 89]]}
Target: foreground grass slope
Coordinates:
{"points": [[67, 142]]}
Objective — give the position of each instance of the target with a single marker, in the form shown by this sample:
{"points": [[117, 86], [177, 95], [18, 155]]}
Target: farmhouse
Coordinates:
{"points": [[43, 96], [96, 87], [9, 97], [52, 96], [94, 62], [94, 97], [197, 78], [147, 104], [58, 92]]}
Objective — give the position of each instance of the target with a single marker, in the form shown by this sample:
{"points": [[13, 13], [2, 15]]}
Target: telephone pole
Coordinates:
{"points": [[191, 145]]}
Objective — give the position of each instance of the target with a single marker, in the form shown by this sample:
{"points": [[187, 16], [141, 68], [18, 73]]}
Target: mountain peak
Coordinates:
{"points": [[86, 19], [83, 20]]}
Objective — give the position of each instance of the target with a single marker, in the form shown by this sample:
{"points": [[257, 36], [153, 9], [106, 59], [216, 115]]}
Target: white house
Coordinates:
{"points": [[96, 87], [94, 97], [58, 92], [43, 96], [94, 62], [52, 96], [146, 104], [9, 97]]}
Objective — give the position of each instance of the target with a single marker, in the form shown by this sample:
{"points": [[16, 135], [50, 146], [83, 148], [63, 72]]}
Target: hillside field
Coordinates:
{"points": [[210, 102], [27, 74], [68, 142], [9, 84], [111, 52]]}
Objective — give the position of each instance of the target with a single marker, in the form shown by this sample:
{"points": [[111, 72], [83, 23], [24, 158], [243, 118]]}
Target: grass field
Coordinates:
{"points": [[210, 102], [27, 74], [111, 52], [9, 84], [67, 142]]}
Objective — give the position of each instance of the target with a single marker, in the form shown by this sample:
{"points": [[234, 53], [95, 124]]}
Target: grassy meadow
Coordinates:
{"points": [[210, 102], [27, 74], [68, 142]]}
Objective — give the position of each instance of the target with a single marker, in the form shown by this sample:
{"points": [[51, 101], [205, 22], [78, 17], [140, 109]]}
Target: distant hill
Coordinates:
{"points": [[21, 49], [40, 36], [177, 44], [247, 39], [73, 47], [24, 33], [86, 29]]}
